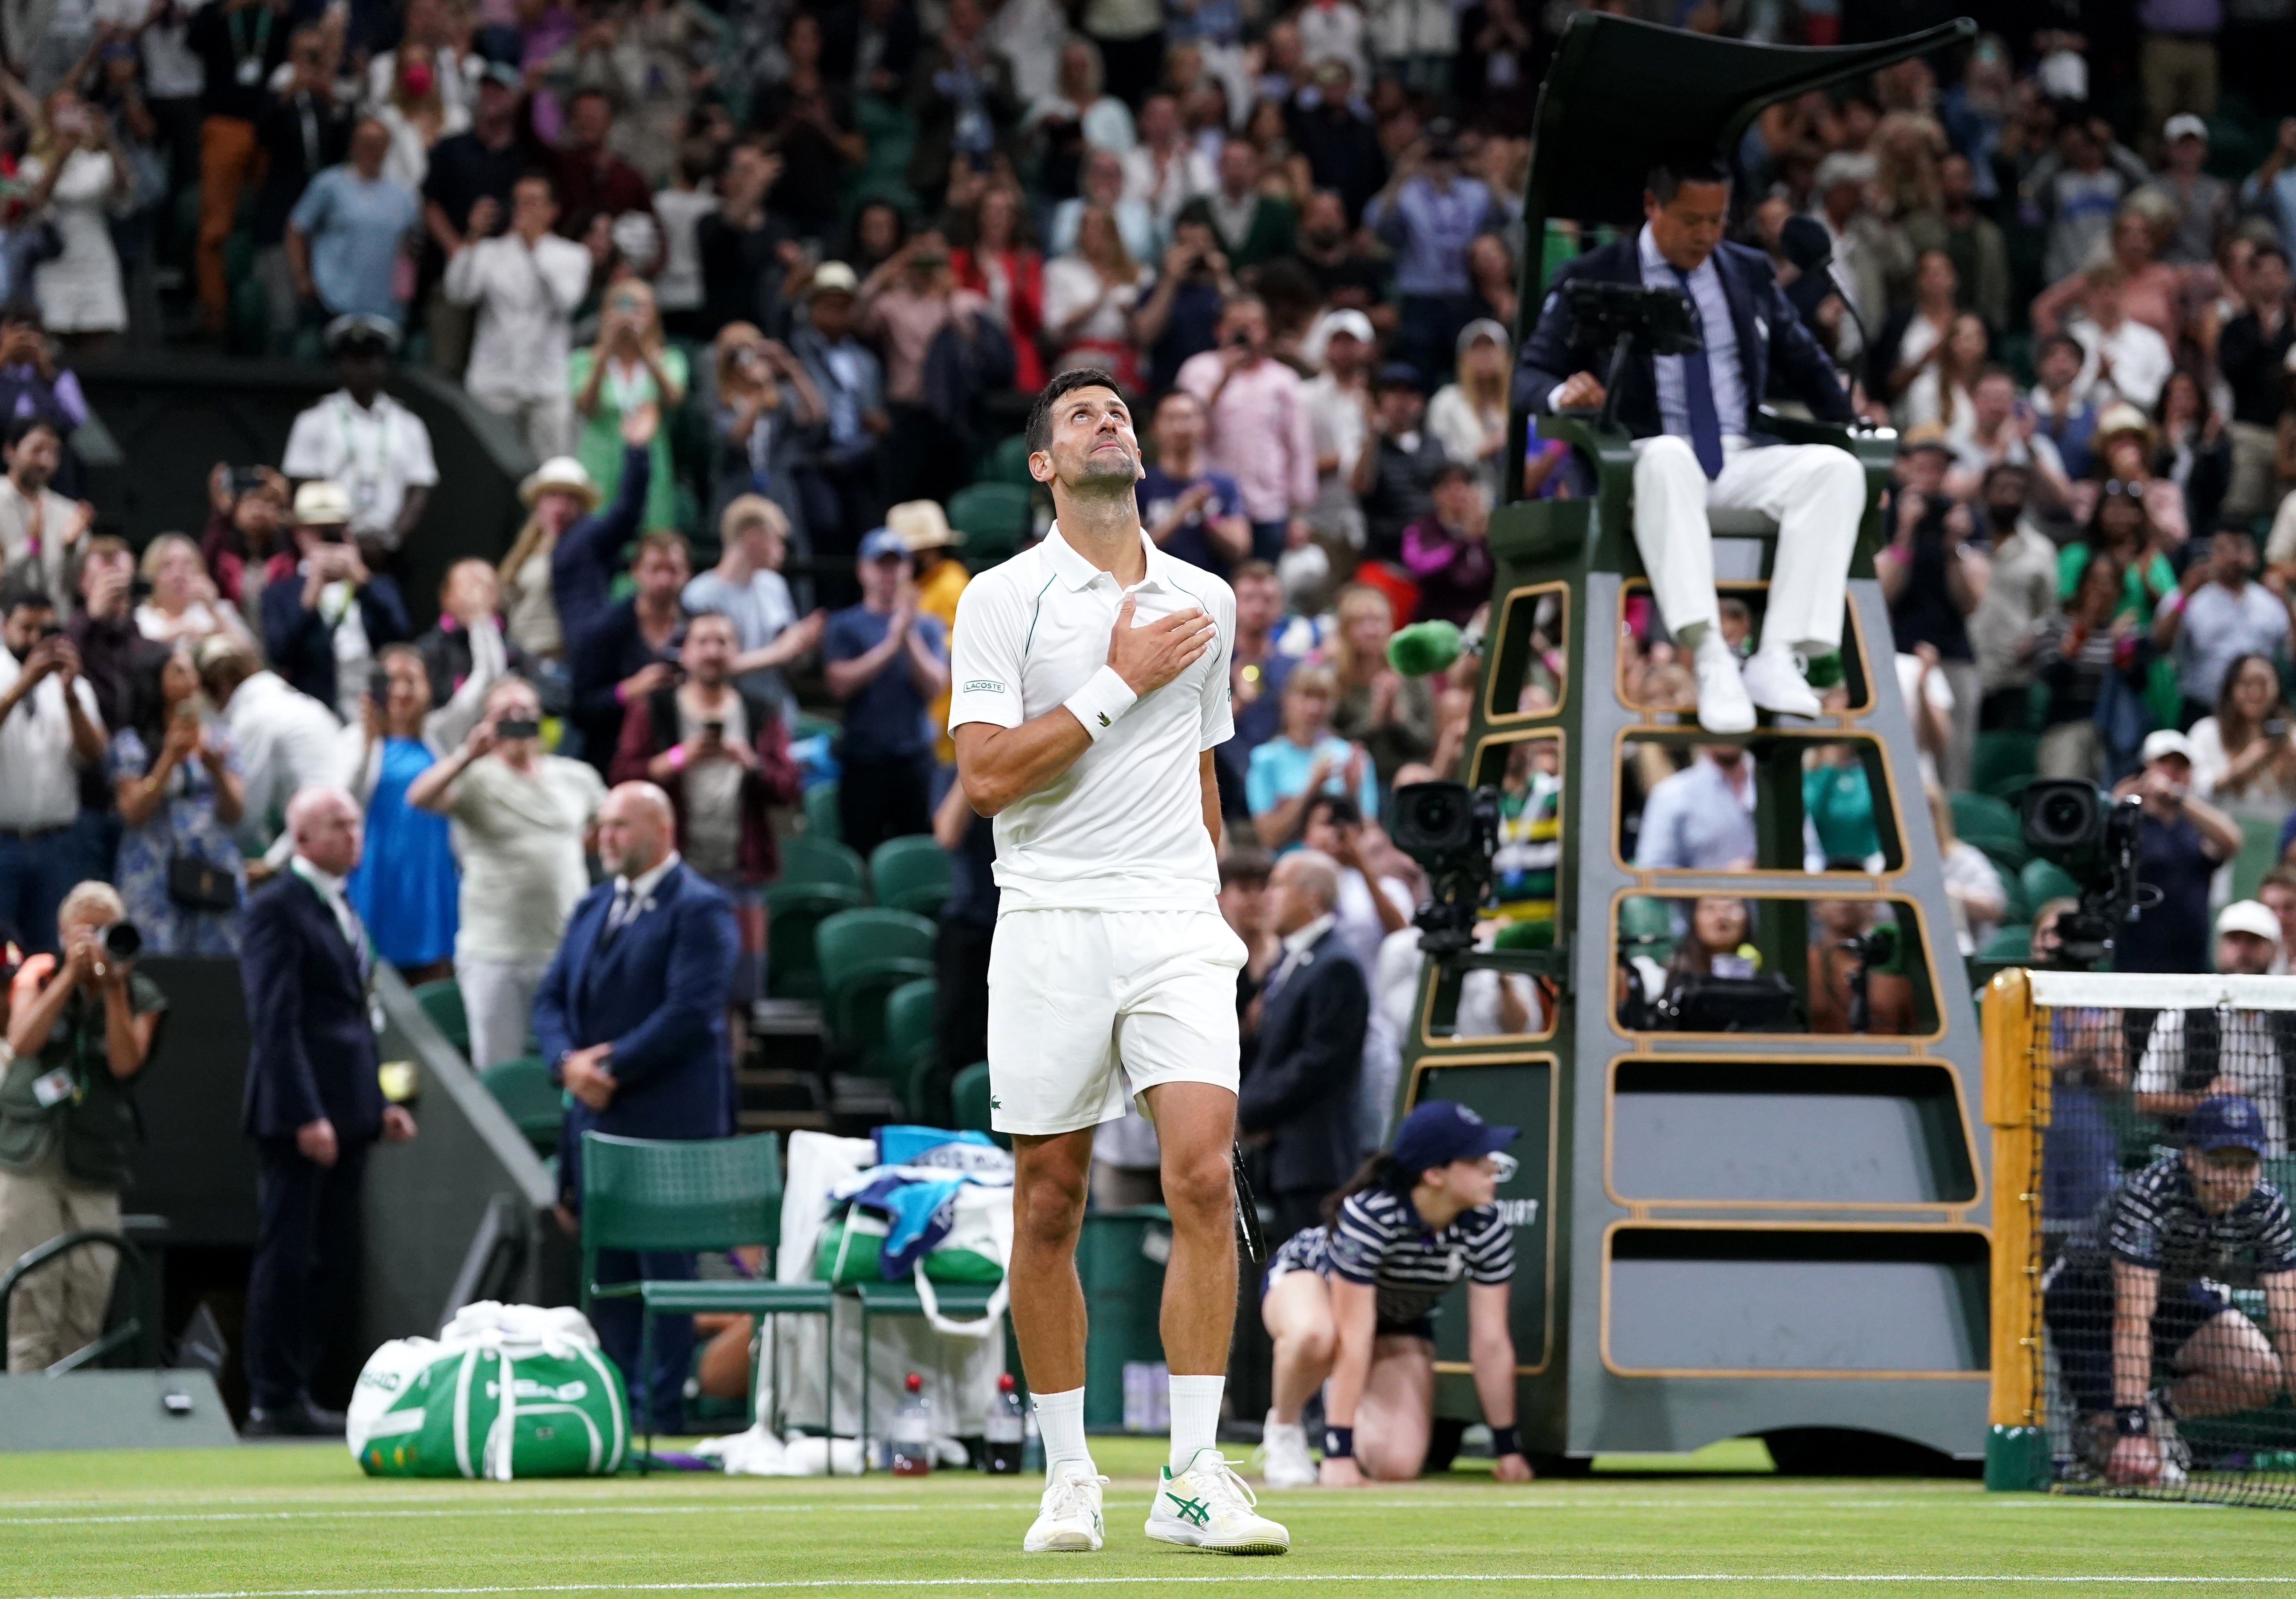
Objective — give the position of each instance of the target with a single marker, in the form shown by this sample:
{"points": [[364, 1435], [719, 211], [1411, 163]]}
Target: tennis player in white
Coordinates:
{"points": [[1089, 687]]}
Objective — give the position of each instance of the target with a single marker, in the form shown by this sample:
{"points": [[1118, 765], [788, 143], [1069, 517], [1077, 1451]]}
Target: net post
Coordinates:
{"points": [[2017, 1443]]}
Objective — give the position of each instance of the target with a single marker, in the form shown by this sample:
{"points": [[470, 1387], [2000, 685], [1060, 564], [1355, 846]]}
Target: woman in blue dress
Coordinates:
{"points": [[179, 792], [407, 883]]}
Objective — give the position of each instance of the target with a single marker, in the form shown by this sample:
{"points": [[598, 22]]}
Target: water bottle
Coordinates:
{"points": [[912, 1440], [1004, 1430]]}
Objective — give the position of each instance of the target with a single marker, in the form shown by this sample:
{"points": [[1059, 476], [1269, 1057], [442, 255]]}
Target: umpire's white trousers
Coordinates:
{"points": [[1814, 493]]}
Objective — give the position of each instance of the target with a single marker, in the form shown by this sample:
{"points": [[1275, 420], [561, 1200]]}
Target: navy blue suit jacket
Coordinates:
{"points": [[656, 993], [302, 646], [311, 1049], [1774, 347], [589, 553], [1303, 1082]]}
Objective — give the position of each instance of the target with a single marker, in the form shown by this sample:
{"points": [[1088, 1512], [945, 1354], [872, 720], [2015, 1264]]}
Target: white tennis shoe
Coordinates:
{"points": [[1207, 1506], [1068, 1517], [1284, 1462]]}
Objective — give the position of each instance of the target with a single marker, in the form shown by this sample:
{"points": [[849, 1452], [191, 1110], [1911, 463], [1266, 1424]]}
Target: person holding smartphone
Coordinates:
{"points": [[522, 819]]}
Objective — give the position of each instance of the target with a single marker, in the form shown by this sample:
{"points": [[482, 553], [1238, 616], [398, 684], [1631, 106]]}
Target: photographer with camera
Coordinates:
{"points": [[2181, 841], [80, 1030], [322, 633]]}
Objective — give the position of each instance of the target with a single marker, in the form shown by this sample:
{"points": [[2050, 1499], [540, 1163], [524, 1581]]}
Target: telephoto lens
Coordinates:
{"points": [[122, 942]]}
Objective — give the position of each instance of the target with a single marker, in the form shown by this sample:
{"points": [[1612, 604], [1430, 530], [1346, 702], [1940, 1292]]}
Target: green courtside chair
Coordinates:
{"points": [[910, 873], [863, 957], [682, 1196], [442, 1003], [968, 1094], [991, 521], [1992, 825], [528, 1096]]}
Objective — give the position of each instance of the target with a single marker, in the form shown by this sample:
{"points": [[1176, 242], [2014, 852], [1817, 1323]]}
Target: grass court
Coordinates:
{"points": [[299, 1520]]}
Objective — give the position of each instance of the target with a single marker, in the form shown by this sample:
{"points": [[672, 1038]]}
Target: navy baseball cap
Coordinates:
{"points": [[883, 541], [2225, 1122], [1439, 1131]]}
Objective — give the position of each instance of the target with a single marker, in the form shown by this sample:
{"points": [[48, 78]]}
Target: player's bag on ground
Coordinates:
{"points": [[503, 1391]]}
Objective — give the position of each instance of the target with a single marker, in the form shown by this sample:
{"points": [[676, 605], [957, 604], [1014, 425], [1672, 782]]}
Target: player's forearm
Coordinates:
{"points": [[998, 766]]}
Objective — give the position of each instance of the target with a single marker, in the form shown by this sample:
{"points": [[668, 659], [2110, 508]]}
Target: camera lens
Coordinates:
{"points": [[122, 942], [2061, 818]]}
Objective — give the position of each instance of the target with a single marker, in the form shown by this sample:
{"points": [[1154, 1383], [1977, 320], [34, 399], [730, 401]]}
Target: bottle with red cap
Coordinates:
{"points": [[912, 1446]]}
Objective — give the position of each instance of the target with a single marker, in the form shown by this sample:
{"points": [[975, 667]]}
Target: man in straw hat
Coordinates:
{"points": [[322, 633]]}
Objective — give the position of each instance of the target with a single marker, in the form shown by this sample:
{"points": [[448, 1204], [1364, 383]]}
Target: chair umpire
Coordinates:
{"points": [[1692, 419]]}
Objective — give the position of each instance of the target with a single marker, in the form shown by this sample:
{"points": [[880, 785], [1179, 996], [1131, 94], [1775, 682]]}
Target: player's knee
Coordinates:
{"points": [[1314, 1344], [1842, 473], [1048, 1209], [1198, 1186]]}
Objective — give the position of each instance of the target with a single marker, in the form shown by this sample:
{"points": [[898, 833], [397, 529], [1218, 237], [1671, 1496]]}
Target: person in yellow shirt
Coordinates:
{"points": [[941, 578]]}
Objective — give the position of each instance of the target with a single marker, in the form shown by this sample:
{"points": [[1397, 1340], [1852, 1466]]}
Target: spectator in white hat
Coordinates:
{"points": [[2181, 841], [2203, 203], [527, 283], [1338, 398], [322, 633]]}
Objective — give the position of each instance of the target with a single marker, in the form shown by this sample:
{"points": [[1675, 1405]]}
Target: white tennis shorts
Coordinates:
{"points": [[1088, 1008]]}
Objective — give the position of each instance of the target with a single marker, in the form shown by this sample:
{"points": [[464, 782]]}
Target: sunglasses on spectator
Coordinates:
{"points": [[2127, 486]]}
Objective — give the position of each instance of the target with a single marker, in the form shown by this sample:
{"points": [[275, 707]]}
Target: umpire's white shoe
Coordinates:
{"points": [[1723, 706], [1068, 1517], [1774, 683], [1207, 1506], [1284, 1460]]}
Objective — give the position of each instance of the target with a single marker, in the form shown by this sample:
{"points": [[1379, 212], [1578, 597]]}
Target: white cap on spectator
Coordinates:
{"points": [[562, 473], [2249, 916], [1330, 325], [2165, 742], [832, 277], [1845, 167], [2184, 125], [320, 503]]}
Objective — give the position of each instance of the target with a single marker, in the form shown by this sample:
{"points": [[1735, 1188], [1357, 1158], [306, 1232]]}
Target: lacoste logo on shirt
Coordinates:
{"points": [[996, 1104], [984, 685]]}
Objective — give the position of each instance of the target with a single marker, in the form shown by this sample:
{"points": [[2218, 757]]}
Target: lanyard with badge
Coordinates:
{"points": [[250, 68], [365, 476]]}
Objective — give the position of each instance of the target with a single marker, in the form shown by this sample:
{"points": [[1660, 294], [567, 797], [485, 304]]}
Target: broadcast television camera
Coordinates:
{"points": [[2093, 837]]}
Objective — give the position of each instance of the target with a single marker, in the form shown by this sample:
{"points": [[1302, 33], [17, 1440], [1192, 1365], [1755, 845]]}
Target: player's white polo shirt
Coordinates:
{"points": [[1111, 969]]}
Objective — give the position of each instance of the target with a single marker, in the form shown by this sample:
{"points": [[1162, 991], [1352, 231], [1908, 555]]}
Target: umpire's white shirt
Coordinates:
{"points": [[1122, 828]]}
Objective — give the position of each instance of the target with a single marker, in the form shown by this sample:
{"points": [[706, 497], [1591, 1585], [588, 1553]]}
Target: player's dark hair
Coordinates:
{"points": [[1665, 180], [1378, 1171], [1040, 414]]}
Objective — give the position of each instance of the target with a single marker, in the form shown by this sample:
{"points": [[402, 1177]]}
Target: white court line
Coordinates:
{"points": [[1225, 1579], [487, 1510]]}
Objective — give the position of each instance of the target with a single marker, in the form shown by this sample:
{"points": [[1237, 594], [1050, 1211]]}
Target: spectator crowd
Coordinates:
{"points": [[762, 288]]}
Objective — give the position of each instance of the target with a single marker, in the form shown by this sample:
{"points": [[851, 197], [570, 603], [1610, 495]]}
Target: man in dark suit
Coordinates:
{"points": [[1697, 447], [312, 1104], [1299, 1099], [632, 1017]]}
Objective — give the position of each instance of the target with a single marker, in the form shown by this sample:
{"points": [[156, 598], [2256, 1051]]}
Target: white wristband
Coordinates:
{"points": [[1104, 697]]}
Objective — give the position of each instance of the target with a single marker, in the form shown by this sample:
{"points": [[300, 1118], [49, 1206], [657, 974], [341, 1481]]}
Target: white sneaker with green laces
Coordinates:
{"points": [[1207, 1506], [1068, 1517]]}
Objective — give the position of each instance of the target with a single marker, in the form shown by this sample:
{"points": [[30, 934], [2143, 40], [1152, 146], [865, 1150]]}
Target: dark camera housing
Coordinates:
{"points": [[2093, 837], [518, 727], [1452, 831], [122, 940]]}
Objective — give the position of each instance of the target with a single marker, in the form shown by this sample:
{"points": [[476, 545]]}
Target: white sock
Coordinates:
{"points": [[1196, 1416], [1059, 1422]]}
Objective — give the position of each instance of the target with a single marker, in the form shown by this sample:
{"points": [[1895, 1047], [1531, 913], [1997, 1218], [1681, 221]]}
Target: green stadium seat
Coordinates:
{"points": [[2259, 852], [2017, 909], [821, 818], [685, 1197], [991, 520], [1008, 462], [2008, 943], [2007, 758], [1642, 916], [2045, 880], [811, 860], [529, 1098], [863, 956], [909, 1044], [1992, 825], [442, 1002], [910, 874], [969, 1107]]}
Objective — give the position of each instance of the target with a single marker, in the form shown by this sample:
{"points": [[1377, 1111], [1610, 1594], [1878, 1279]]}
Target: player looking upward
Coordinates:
{"points": [[1090, 686]]}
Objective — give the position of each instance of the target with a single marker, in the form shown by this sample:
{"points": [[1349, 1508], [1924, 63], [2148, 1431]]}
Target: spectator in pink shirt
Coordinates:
{"points": [[1260, 434], [1445, 549]]}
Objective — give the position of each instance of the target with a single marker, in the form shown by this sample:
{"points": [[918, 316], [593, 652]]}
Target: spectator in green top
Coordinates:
{"points": [[630, 367], [1839, 801], [78, 1032], [2122, 524]]}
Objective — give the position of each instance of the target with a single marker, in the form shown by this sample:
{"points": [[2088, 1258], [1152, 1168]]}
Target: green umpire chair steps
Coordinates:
{"points": [[911, 873], [863, 956], [820, 878], [681, 1196], [442, 1003]]}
